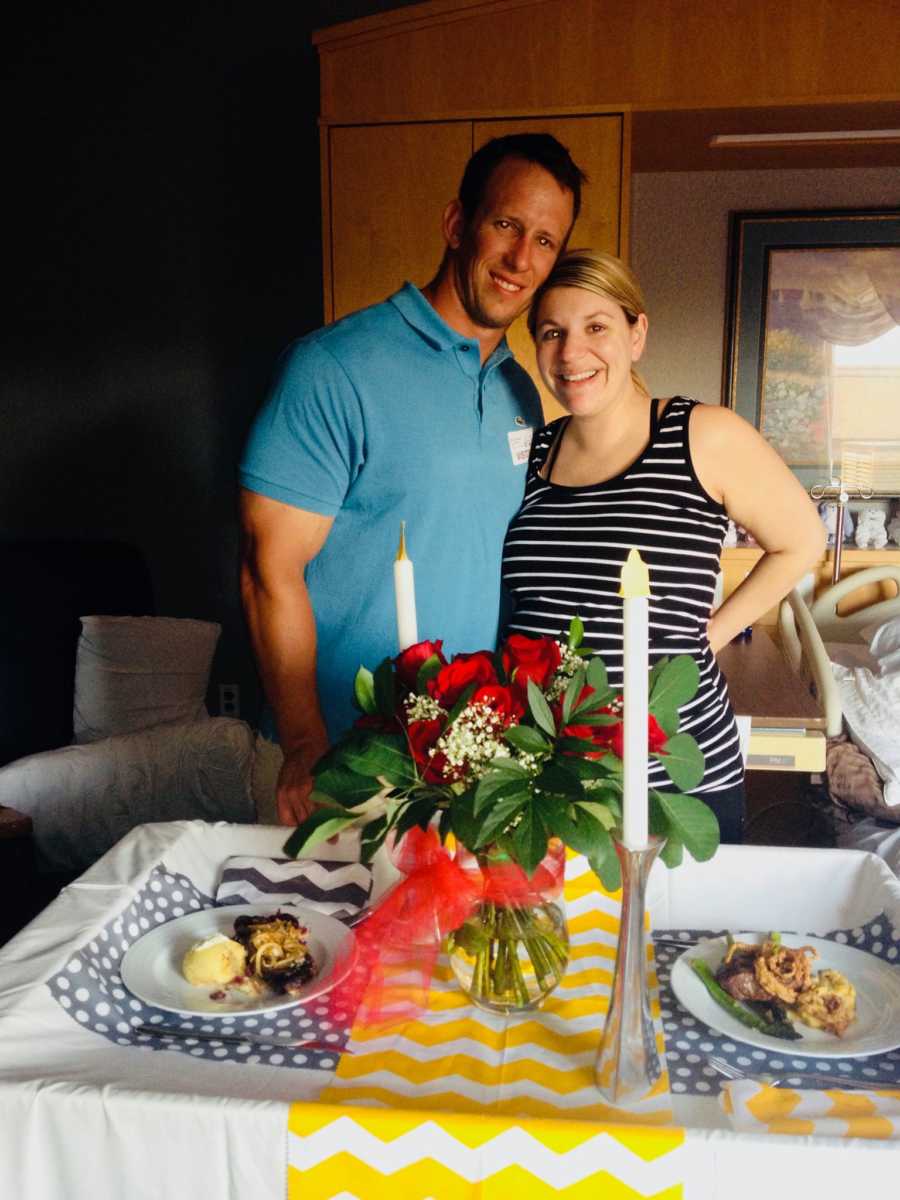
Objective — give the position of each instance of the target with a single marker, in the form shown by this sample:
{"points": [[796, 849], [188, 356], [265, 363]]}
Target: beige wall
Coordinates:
{"points": [[679, 234]]}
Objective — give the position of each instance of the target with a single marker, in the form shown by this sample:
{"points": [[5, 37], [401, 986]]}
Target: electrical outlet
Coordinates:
{"points": [[229, 700]]}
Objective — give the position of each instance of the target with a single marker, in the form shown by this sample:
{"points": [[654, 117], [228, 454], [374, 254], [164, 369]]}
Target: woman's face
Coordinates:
{"points": [[585, 349]]}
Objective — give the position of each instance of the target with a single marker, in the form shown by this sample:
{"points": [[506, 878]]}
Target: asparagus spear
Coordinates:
{"points": [[777, 1029]]}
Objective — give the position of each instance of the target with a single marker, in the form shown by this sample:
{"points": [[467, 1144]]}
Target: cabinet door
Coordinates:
{"points": [[596, 144], [389, 185]]}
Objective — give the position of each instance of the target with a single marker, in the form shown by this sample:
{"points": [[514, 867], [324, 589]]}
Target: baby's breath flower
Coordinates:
{"points": [[472, 741], [569, 663], [422, 708]]}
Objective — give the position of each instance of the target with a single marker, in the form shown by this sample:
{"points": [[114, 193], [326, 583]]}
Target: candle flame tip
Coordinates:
{"points": [[401, 549], [635, 578]]}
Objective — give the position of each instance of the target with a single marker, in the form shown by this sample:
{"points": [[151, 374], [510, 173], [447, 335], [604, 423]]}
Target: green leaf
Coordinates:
{"points": [[418, 812], [540, 709], [372, 837], [691, 822], [682, 761], [499, 816], [676, 683], [655, 671], [588, 768], [672, 852], [320, 825], [463, 822], [364, 691], [596, 675], [495, 787], [384, 755], [510, 765], [576, 633], [429, 668], [497, 659], [586, 716], [527, 739], [581, 830], [606, 867], [385, 698], [529, 839], [573, 691], [346, 787], [578, 745], [600, 812], [561, 782], [667, 719]]}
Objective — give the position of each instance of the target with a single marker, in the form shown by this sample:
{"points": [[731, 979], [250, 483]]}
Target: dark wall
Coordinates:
{"points": [[163, 245]]}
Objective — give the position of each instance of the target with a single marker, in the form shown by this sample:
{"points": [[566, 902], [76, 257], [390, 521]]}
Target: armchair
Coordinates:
{"points": [[103, 724]]}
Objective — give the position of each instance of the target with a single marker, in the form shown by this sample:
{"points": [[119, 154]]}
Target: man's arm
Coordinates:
{"points": [[277, 542]]}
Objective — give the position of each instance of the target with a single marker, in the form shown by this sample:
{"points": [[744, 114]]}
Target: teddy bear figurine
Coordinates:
{"points": [[893, 526], [870, 530], [828, 513]]}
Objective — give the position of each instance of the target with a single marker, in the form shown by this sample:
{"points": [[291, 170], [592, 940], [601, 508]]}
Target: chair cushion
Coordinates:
{"points": [[135, 673]]}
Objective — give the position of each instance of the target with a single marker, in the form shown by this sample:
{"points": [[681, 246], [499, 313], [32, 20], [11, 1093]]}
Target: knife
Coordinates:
{"points": [[235, 1037]]}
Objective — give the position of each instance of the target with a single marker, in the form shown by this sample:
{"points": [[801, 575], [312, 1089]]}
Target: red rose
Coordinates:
{"points": [[422, 735], [465, 669], [410, 659], [656, 736], [504, 702], [527, 658]]}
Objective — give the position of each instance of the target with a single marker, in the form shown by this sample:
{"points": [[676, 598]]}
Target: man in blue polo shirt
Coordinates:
{"points": [[413, 409]]}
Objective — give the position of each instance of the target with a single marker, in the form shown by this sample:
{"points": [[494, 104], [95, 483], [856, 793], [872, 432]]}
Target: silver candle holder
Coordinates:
{"points": [[628, 1063]]}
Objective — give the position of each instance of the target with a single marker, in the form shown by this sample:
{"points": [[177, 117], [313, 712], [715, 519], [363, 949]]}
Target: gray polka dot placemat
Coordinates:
{"points": [[89, 988], [689, 1040]]}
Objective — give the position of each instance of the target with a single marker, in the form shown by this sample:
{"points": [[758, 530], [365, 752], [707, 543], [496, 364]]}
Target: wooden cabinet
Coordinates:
{"points": [[386, 186], [739, 561]]}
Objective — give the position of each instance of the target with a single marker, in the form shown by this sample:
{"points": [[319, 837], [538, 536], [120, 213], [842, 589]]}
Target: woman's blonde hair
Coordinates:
{"points": [[598, 272]]}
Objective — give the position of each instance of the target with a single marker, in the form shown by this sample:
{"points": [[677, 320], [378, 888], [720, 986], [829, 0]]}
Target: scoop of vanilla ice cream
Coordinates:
{"points": [[217, 960]]}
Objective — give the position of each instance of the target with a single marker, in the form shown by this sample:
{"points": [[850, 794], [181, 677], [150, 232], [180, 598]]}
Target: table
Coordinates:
{"points": [[83, 1118], [787, 729]]}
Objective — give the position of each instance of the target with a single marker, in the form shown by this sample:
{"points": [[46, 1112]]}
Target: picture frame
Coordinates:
{"points": [[805, 290]]}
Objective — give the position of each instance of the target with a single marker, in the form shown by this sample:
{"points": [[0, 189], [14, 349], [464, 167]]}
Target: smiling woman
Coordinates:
{"points": [[624, 470]]}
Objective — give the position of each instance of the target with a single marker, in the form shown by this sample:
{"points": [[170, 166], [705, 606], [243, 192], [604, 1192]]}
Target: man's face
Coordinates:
{"points": [[508, 249]]}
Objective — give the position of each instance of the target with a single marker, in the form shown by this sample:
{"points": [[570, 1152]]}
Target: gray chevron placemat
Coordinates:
{"points": [[338, 889]]}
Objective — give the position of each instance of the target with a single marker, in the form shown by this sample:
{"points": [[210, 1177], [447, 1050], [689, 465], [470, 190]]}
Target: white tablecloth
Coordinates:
{"points": [[84, 1119]]}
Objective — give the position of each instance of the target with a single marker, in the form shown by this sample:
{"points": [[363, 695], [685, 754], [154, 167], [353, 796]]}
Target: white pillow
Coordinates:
{"points": [[884, 644], [134, 673], [871, 707]]}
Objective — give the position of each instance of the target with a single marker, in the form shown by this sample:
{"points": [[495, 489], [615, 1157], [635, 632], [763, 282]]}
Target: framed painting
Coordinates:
{"points": [[812, 354]]}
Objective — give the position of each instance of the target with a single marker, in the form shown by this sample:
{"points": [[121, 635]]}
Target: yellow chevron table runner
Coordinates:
{"points": [[465, 1103]]}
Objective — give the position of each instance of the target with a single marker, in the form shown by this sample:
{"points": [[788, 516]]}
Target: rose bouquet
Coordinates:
{"points": [[515, 754]]}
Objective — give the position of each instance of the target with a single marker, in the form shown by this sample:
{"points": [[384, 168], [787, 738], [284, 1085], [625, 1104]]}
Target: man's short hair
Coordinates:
{"points": [[540, 148]]}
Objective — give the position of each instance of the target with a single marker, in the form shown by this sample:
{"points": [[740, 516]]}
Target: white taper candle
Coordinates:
{"points": [[635, 588], [405, 595]]}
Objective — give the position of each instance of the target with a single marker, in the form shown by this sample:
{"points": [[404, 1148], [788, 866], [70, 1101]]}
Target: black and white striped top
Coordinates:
{"points": [[564, 553]]}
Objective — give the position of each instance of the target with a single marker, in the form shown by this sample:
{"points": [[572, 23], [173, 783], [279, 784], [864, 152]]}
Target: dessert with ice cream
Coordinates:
{"points": [[267, 954], [215, 961]]}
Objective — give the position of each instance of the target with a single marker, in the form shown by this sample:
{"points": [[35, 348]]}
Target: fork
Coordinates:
{"points": [[235, 1037], [816, 1077]]}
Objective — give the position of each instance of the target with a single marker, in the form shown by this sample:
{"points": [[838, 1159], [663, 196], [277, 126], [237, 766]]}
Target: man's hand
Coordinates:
{"points": [[295, 784]]}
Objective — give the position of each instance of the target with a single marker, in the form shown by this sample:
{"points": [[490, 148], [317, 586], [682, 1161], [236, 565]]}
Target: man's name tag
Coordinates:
{"points": [[520, 445]]}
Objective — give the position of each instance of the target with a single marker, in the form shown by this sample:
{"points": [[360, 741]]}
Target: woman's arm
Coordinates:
{"points": [[740, 469]]}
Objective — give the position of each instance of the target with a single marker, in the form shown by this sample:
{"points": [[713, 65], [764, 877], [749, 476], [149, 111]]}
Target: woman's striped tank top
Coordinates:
{"points": [[564, 553]]}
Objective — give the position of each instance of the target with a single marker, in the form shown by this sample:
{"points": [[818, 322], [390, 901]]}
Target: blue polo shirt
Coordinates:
{"points": [[389, 415]]}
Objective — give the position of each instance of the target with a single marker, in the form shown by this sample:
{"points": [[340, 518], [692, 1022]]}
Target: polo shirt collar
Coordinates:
{"points": [[418, 313]]}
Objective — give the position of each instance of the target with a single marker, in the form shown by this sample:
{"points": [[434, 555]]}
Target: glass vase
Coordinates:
{"points": [[628, 1063], [514, 949]]}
